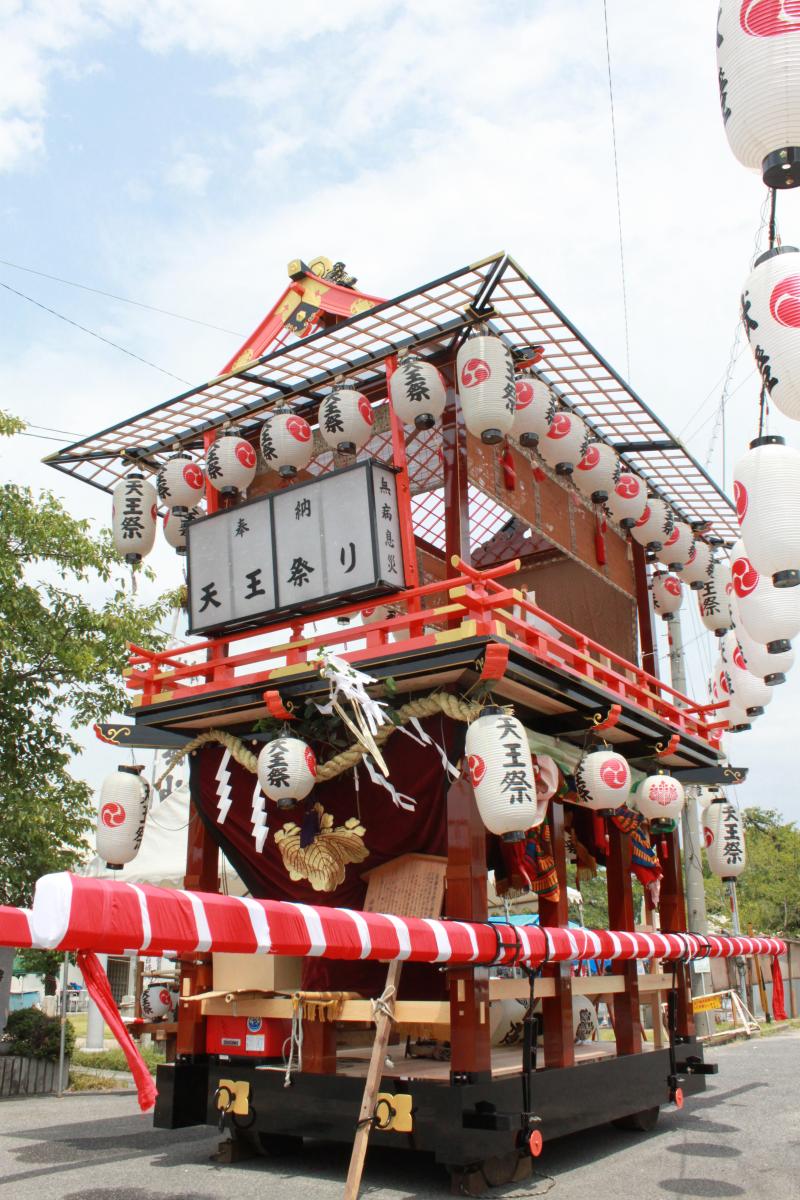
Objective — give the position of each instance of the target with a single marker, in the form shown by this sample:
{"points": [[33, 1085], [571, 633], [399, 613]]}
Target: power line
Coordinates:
{"points": [[92, 333], [619, 204], [165, 312]]}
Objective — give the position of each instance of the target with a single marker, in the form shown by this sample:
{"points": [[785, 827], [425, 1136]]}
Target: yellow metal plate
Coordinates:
{"points": [[394, 1112], [239, 1089]]}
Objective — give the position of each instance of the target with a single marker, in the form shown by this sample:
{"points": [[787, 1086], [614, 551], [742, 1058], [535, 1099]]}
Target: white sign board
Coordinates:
{"points": [[296, 549]]}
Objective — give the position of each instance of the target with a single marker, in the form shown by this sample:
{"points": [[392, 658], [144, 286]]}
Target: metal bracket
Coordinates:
{"points": [[662, 751], [495, 661], [276, 706], [600, 722], [234, 1096], [394, 1113]]}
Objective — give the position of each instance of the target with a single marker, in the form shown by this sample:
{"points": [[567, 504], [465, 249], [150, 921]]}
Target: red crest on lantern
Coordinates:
{"points": [[299, 429], [476, 768], [365, 408], [559, 426], [590, 459], [524, 391], [740, 496], [745, 577], [672, 585], [246, 454], [311, 760], [645, 517], [475, 371], [193, 475], [784, 303], [627, 488], [112, 815], [614, 772], [769, 18]]}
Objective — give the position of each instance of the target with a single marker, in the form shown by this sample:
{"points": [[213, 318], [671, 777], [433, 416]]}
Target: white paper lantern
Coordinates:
{"points": [[506, 1021], [722, 692], [121, 816], [231, 463], [133, 516], [595, 473], [535, 407], [158, 1001], [771, 316], [486, 387], [677, 548], [766, 486], [694, 571], [771, 668], [712, 599], [176, 522], [667, 594], [659, 797], [585, 1025], [500, 769], [758, 58], [345, 420], [723, 834], [286, 441], [603, 780], [287, 770], [180, 481], [654, 526], [417, 392], [562, 447], [628, 499], [750, 692], [770, 615]]}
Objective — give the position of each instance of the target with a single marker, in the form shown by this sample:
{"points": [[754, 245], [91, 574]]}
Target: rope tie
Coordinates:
{"points": [[382, 1007]]}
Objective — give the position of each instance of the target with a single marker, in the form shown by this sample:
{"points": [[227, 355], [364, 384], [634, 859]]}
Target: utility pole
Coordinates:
{"points": [[696, 916]]}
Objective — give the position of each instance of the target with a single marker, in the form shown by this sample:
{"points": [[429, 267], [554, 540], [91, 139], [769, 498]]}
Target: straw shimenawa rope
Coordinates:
{"points": [[427, 706]]}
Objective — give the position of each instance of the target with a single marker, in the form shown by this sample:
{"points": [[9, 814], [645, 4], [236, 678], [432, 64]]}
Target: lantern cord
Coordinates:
{"points": [[619, 203], [91, 332]]}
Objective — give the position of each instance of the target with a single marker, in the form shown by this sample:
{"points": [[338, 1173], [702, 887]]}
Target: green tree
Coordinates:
{"points": [[62, 653], [768, 890]]}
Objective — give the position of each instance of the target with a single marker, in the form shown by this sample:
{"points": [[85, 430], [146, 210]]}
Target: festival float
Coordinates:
{"points": [[426, 540]]}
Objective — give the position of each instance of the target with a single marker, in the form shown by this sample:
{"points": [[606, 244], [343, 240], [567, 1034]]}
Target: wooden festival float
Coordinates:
{"points": [[421, 592]]}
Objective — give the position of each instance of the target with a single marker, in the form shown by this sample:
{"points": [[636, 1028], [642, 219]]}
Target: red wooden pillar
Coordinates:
{"points": [[455, 470], [470, 1044], [672, 909], [559, 1028], [627, 1014]]}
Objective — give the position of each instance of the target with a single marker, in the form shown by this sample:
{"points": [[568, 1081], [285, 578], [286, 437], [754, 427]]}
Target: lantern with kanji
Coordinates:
{"points": [[654, 526], [715, 609], [500, 768], [286, 441], [602, 780], [417, 392], [486, 387], [180, 481], [667, 594], [176, 522], [345, 420], [596, 471], [659, 797], [231, 463], [770, 615], [535, 406], [133, 516], [158, 1001], [563, 445], [678, 546], [121, 816], [695, 570], [758, 60], [287, 770], [627, 500], [766, 486], [771, 316], [722, 692], [723, 835]]}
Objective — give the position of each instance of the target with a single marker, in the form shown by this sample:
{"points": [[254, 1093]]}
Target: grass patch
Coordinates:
{"points": [[78, 1082], [115, 1060], [78, 1021]]}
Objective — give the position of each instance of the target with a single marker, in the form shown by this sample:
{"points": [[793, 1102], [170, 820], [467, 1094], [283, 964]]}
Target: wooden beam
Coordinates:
{"points": [[456, 481], [470, 1046], [627, 1014], [672, 909], [559, 1028]]}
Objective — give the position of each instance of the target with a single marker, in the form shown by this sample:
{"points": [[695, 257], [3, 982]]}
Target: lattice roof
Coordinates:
{"points": [[435, 316]]}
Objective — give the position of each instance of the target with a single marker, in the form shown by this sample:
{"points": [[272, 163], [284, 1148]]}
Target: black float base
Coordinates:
{"points": [[463, 1126]]}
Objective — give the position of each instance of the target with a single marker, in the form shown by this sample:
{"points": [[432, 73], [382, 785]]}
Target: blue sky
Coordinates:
{"points": [[181, 152]]}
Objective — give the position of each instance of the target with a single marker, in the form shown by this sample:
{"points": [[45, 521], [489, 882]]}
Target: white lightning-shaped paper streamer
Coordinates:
{"points": [[223, 779]]}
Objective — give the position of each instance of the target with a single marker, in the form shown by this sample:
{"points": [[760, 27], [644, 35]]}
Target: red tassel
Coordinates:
{"points": [[601, 838], [600, 527], [509, 470], [516, 865], [664, 849], [539, 475]]}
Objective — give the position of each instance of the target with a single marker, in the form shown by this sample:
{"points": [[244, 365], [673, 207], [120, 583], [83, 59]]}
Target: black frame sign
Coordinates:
{"points": [[305, 547]]}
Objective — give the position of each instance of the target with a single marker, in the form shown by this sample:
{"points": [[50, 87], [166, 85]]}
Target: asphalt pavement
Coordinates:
{"points": [[741, 1138]]}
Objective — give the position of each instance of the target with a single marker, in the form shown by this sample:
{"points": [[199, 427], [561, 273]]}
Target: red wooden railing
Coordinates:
{"points": [[474, 601]]}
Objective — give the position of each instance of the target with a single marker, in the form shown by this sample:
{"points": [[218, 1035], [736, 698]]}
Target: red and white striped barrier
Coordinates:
{"points": [[71, 912], [15, 929]]}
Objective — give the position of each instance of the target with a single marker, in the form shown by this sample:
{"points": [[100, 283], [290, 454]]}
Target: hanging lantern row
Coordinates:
{"points": [[667, 594], [769, 614]]}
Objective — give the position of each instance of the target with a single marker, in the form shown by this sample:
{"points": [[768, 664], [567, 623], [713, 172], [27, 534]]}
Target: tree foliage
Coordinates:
{"points": [[768, 890], [65, 623]]}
